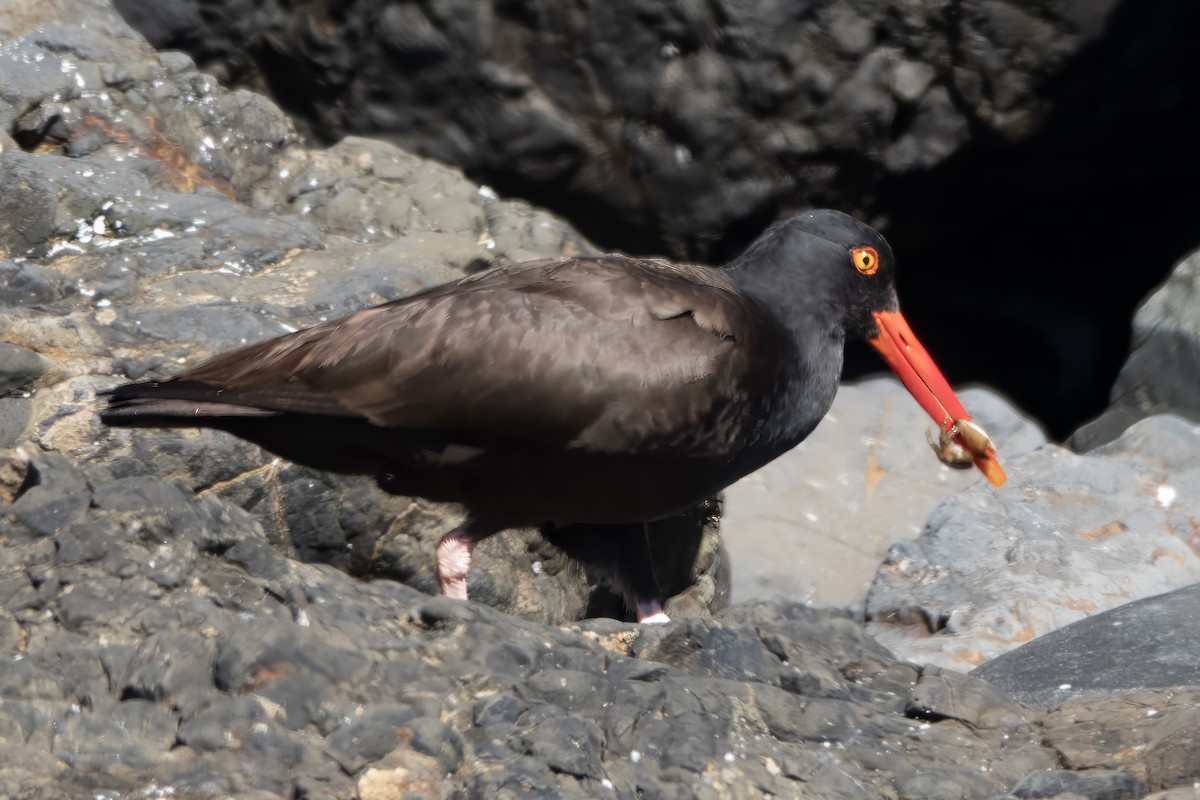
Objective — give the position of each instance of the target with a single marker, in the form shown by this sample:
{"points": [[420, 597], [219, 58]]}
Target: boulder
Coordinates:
{"points": [[1162, 371], [1069, 536]]}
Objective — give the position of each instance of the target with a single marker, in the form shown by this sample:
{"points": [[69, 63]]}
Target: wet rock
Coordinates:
{"points": [[247, 675]]}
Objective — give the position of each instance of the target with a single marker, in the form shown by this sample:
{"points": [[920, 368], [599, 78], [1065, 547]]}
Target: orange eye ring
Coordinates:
{"points": [[866, 260]]}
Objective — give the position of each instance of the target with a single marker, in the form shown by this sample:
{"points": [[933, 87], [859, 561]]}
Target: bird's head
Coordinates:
{"points": [[843, 270]]}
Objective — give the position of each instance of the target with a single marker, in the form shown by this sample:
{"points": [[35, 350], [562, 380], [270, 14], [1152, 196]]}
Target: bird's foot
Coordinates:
{"points": [[454, 562], [650, 612]]}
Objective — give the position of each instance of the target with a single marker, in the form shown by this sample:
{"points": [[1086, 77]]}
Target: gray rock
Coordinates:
{"points": [[685, 127], [247, 675], [159, 639], [1067, 537], [19, 367], [1146, 735], [1163, 370], [1148, 644], [864, 479], [1098, 783], [624, 126]]}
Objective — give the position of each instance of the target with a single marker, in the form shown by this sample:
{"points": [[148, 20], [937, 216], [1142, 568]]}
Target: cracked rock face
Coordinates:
{"points": [[1162, 371]]}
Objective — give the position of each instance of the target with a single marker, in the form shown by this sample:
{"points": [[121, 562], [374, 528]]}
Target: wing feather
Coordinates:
{"points": [[609, 354]]}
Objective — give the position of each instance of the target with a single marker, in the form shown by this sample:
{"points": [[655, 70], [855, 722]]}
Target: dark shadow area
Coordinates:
{"points": [[1021, 265]]}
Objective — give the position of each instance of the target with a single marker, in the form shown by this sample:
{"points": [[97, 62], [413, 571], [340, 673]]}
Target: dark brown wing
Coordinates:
{"points": [[606, 355]]}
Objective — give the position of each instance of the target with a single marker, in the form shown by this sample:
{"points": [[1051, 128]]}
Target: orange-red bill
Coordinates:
{"points": [[916, 370]]}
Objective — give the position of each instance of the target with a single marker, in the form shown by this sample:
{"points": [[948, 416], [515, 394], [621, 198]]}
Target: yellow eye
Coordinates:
{"points": [[866, 260]]}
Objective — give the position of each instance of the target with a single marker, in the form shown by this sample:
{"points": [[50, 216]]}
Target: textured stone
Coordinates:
{"points": [[863, 480], [1067, 537], [1147, 644], [1162, 371]]}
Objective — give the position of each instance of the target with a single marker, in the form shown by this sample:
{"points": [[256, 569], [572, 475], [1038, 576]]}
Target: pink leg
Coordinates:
{"points": [[454, 557], [650, 612]]}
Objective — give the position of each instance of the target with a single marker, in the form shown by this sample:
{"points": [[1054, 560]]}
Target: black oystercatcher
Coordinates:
{"points": [[573, 390]]}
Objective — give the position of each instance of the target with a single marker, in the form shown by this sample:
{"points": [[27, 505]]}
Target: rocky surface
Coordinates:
{"points": [[682, 118], [1147, 644], [1163, 371], [181, 617], [1067, 537], [863, 480], [158, 642]]}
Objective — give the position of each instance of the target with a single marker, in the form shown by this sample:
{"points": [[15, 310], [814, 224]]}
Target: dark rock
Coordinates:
{"points": [[220, 722], [157, 639], [252, 675], [945, 694], [369, 737], [568, 745], [153, 218], [433, 738], [57, 497], [167, 665], [1148, 644], [623, 120], [14, 419], [18, 367], [1162, 371], [1099, 784], [136, 734]]}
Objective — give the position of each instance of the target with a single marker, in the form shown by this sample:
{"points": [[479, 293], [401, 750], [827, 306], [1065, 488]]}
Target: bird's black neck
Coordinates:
{"points": [[802, 305]]}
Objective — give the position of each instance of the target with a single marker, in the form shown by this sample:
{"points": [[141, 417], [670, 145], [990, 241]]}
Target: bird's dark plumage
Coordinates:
{"points": [[598, 390]]}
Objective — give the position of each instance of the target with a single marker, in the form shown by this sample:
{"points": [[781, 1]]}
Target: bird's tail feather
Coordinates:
{"points": [[171, 403]]}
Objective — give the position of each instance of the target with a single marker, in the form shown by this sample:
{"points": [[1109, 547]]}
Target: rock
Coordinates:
{"points": [[1147, 644], [863, 480], [684, 128], [609, 111], [160, 635], [1147, 735], [1095, 783], [248, 670], [19, 367], [248, 674], [1162, 371], [1068, 536]]}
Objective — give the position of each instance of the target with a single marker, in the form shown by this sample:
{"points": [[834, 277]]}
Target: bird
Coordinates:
{"points": [[607, 390]]}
